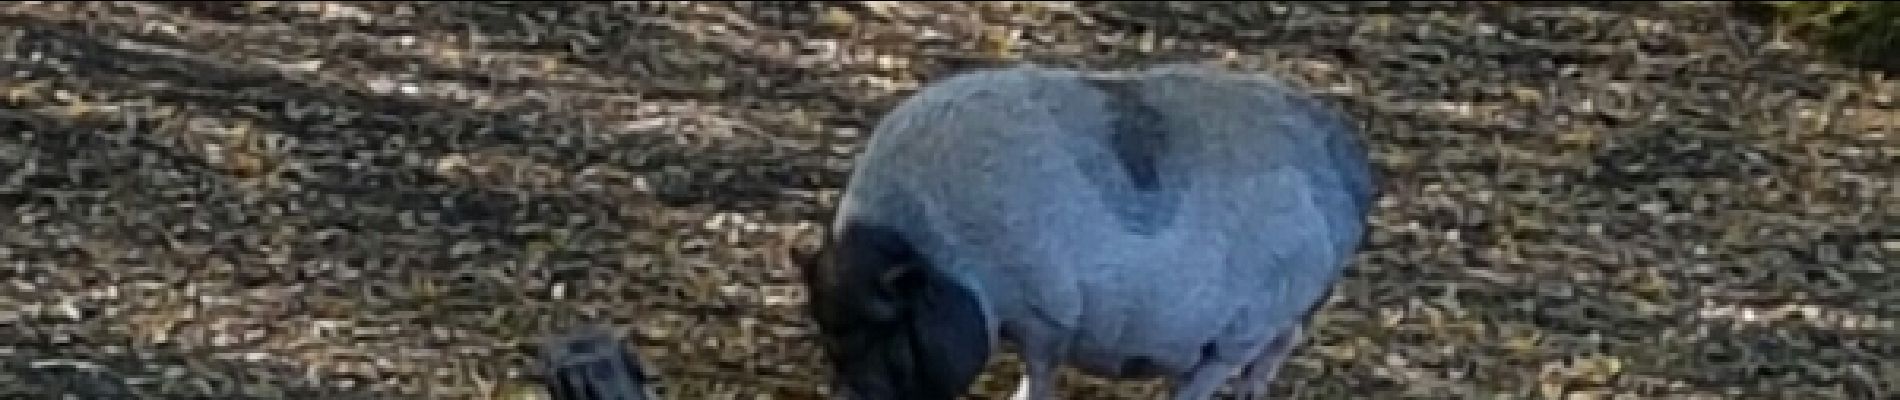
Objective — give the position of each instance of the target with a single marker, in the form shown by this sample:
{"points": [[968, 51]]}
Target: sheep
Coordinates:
{"points": [[590, 363], [1179, 222]]}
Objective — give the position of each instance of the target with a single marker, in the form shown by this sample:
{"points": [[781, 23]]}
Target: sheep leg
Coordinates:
{"points": [[1034, 387], [1040, 364], [1207, 378], [1259, 375]]}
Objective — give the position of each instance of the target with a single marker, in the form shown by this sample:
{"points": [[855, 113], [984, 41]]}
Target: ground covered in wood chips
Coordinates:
{"points": [[398, 199]]}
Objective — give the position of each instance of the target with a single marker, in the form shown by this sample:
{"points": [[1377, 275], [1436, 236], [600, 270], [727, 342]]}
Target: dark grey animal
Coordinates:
{"points": [[1178, 222], [591, 364]]}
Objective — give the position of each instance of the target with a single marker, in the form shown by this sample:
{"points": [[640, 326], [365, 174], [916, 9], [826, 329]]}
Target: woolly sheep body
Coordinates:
{"points": [[1173, 222]]}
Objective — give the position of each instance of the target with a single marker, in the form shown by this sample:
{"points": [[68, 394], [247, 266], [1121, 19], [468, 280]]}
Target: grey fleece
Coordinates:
{"points": [[1147, 220]]}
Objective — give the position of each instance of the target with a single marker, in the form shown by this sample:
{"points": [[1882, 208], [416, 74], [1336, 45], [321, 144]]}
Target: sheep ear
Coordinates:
{"points": [[806, 260], [948, 333]]}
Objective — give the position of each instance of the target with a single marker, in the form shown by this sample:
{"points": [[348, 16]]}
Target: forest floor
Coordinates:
{"points": [[400, 199]]}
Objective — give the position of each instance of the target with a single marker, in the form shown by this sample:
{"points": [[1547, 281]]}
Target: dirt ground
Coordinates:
{"points": [[399, 199]]}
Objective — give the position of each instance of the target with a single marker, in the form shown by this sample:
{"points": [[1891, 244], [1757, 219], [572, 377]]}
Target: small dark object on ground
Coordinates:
{"points": [[591, 364]]}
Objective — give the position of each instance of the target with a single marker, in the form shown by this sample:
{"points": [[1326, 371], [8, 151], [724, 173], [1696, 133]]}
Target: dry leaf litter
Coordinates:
{"points": [[398, 199]]}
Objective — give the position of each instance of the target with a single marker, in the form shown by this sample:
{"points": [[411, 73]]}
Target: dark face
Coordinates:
{"points": [[891, 326]]}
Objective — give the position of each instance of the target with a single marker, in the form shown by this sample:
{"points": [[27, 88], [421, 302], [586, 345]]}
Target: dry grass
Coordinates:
{"points": [[1863, 32], [396, 199]]}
